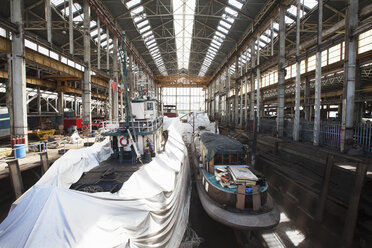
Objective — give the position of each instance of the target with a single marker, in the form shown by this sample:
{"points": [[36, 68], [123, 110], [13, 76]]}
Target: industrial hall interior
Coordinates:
{"points": [[186, 123]]}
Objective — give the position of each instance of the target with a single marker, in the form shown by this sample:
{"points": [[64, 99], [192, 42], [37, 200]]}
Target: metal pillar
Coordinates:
{"points": [[71, 26], [99, 45], [38, 101], [318, 77], [246, 102], [251, 106], [236, 98], [307, 100], [19, 101], [241, 104], [115, 66], [258, 72], [228, 107], [296, 124], [258, 99], [108, 54], [281, 72], [61, 105], [272, 37], [87, 115], [48, 19], [350, 75]]}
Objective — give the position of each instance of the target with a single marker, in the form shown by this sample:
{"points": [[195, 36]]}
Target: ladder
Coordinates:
{"points": [[135, 146]]}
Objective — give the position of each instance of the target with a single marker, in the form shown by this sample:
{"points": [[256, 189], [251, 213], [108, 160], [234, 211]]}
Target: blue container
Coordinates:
{"points": [[21, 151]]}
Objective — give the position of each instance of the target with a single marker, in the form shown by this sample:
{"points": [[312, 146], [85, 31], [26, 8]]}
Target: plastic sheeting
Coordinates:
{"points": [[150, 210], [216, 143]]}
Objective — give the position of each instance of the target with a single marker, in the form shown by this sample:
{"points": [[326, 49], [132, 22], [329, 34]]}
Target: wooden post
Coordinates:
{"points": [[16, 178], [324, 191], [352, 211], [256, 197], [44, 162], [240, 197]]}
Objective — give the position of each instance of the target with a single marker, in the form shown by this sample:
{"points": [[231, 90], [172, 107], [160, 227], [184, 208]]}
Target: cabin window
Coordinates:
{"points": [[150, 106]]}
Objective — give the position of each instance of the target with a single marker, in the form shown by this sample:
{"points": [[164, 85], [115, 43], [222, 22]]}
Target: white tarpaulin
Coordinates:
{"points": [[150, 210]]}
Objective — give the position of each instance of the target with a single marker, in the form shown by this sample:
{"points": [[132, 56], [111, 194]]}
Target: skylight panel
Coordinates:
{"points": [[139, 18], [148, 33], [183, 21], [142, 24], [78, 18], [231, 12], [225, 24], [222, 29], [151, 45], [288, 20], [218, 43], [220, 35], [310, 3], [94, 33], [57, 2], [137, 11], [149, 38], [132, 3], [144, 29], [150, 42], [217, 38], [228, 18], [214, 45], [235, 3]]}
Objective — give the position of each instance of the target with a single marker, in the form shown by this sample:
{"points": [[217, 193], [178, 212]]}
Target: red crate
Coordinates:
{"points": [[68, 122]]}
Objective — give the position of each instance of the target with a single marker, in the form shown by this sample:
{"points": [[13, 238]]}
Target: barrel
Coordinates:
{"points": [[21, 151]]}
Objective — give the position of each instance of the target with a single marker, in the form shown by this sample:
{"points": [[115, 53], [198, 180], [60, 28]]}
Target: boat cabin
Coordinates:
{"points": [[170, 110]]}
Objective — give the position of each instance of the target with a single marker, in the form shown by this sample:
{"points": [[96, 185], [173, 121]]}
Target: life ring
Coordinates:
{"points": [[121, 142], [84, 128]]}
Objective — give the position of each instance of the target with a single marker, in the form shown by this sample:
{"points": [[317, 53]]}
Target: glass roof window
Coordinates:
{"points": [[223, 28], [132, 3], [137, 11], [227, 18], [183, 21], [225, 24], [143, 26]]}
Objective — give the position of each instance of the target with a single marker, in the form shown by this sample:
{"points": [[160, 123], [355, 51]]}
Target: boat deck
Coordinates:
{"points": [[108, 176]]}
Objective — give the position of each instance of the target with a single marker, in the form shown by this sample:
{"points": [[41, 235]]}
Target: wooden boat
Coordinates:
{"points": [[230, 190]]}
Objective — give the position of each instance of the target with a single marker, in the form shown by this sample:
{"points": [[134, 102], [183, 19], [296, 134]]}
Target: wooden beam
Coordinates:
{"points": [[15, 177]]}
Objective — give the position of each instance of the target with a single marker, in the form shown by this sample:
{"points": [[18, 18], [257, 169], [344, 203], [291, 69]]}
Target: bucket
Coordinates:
{"points": [[21, 151]]}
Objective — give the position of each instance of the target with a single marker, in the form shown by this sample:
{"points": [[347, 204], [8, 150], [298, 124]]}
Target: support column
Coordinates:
{"points": [[296, 123], [115, 67], [350, 75], [48, 19], [307, 100], [60, 108], [71, 26], [99, 44], [87, 115], [19, 106], [228, 112], [108, 53], [38, 101], [246, 102], [253, 61], [318, 77], [241, 104], [258, 72], [236, 98], [281, 72]]}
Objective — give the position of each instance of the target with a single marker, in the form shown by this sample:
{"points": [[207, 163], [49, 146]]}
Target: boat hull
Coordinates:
{"points": [[238, 220]]}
